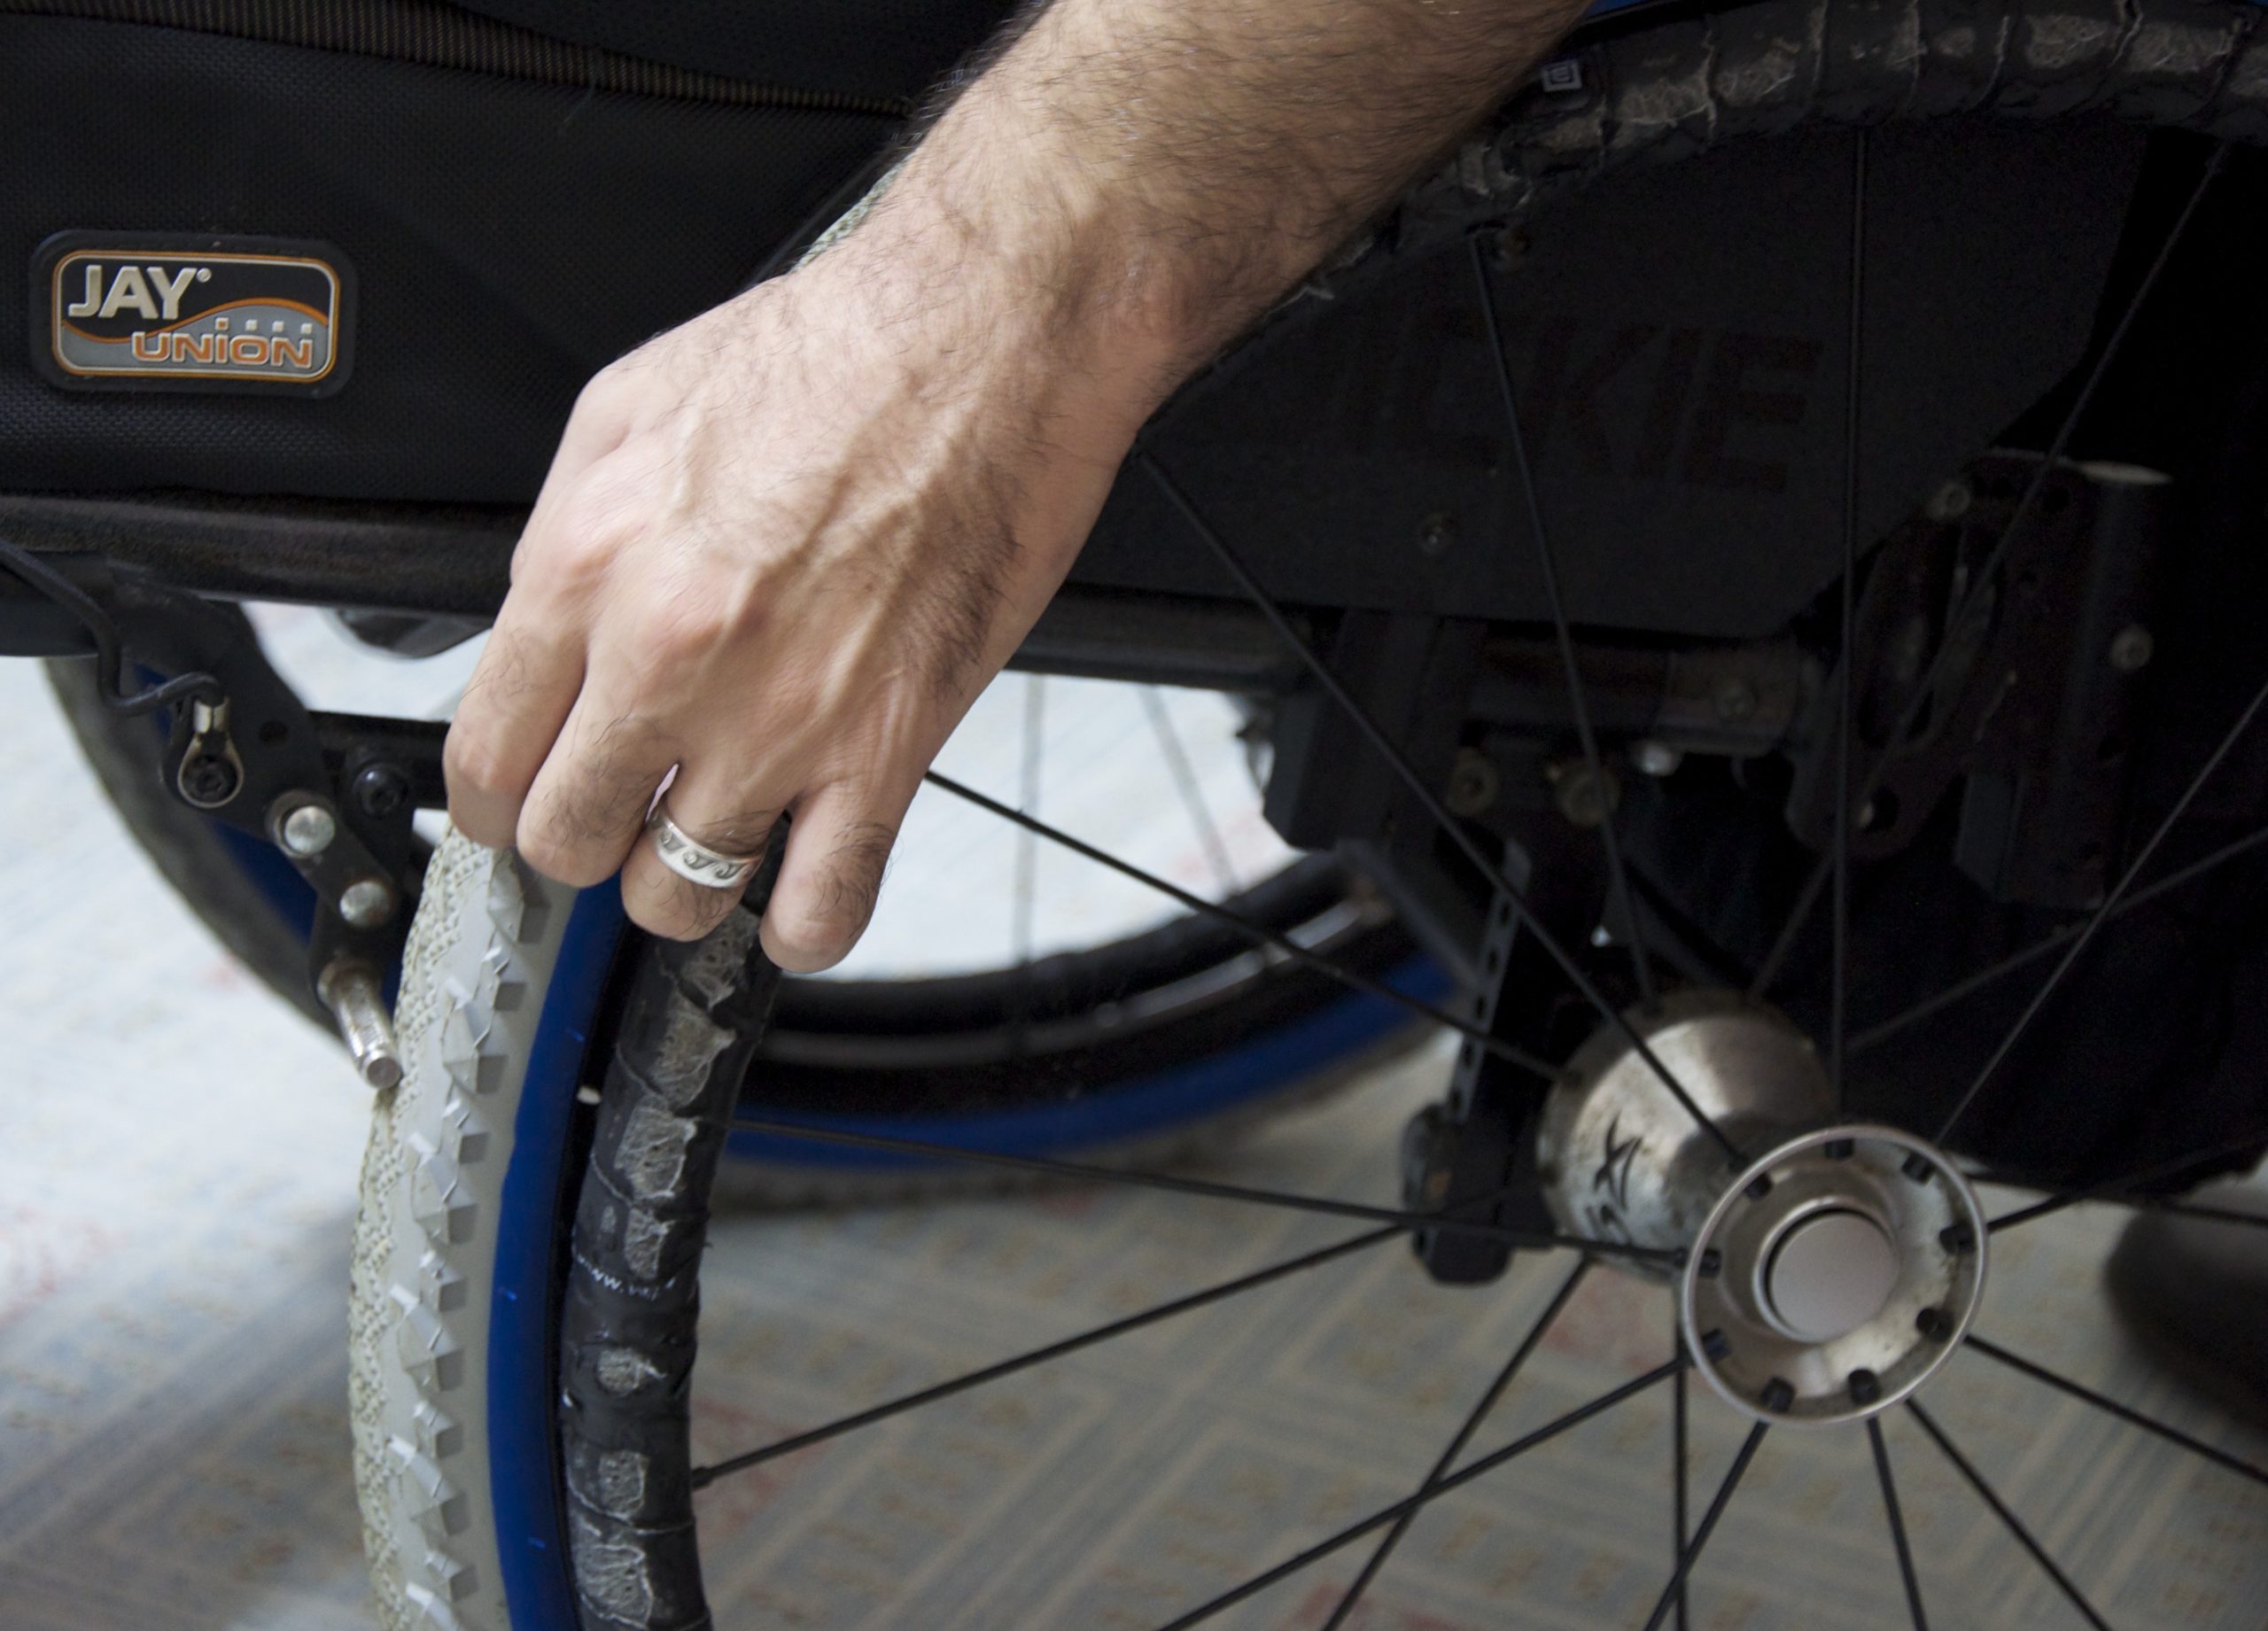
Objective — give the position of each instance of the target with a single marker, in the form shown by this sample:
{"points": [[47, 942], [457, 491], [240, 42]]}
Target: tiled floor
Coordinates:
{"points": [[177, 1160]]}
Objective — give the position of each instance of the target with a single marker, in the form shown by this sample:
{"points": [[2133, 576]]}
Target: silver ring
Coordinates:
{"points": [[696, 863]]}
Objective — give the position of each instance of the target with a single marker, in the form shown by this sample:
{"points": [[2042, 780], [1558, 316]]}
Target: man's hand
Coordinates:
{"points": [[779, 551], [782, 547]]}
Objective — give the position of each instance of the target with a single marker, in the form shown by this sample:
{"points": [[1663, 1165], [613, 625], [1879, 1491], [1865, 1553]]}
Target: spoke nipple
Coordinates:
{"points": [[1838, 1149], [1933, 1324], [1712, 1263], [1918, 1168], [1866, 1387], [1761, 1187], [1959, 1238], [1777, 1394], [1716, 1345]]}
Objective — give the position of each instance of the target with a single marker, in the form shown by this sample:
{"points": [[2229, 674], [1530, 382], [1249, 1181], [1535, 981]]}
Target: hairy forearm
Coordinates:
{"points": [[1151, 174]]}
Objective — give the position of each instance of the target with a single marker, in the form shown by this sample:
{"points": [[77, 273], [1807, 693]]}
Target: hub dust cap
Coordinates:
{"points": [[1833, 1275]]}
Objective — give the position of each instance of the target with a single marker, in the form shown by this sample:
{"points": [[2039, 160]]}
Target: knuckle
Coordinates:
{"points": [[472, 760]]}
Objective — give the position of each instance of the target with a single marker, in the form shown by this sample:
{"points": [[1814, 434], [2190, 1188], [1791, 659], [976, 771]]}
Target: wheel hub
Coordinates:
{"points": [[1824, 1279], [1833, 1275]]}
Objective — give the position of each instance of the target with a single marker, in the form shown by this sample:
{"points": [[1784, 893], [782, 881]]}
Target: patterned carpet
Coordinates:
{"points": [[177, 1155]]}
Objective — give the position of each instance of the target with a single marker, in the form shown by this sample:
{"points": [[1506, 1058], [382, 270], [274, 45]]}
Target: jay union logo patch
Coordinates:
{"points": [[124, 312]]}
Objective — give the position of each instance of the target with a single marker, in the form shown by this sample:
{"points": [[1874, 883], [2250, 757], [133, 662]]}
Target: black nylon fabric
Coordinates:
{"points": [[509, 239], [865, 48]]}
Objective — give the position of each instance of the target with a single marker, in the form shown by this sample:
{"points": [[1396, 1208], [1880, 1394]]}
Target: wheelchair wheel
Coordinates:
{"points": [[1778, 1121]]}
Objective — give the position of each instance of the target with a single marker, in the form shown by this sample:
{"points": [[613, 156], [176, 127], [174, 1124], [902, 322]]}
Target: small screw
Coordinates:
{"points": [[1949, 502], [1917, 1167], [1933, 1324], [209, 779], [1435, 533], [1711, 1263], [1583, 799], [367, 902], [1736, 700], [1866, 1387], [2131, 648], [1777, 1396], [1959, 1238], [1649, 757], [1760, 1187], [1716, 1345], [1837, 1149], [306, 830], [1474, 783], [380, 789]]}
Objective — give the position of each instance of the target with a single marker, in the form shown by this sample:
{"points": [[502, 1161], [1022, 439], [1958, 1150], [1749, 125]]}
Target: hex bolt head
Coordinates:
{"points": [[2131, 648], [1760, 1187], [1959, 1238], [1651, 757], [1917, 1167], [1838, 1149], [1778, 1395], [306, 830], [209, 779], [366, 903], [1933, 1324], [380, 790], [1866, 1387], [1716, 1345], [1711, 1264]]}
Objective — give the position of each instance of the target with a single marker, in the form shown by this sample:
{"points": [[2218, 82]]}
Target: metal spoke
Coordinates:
{"points": [[1896, 1524], [1999, 1508], [1192, 797], [1027, 885], [2101, 913], [1978, 596], [1427, 797], [1839, 957], [2110, 1188], [1259, 934], [1617, 878], [1386, 1515], [1691, 1555], [2126, 1413], [1680, 1457], [1205, 1188], [705, 1476], [1876, 1033], [1455, 1447]]}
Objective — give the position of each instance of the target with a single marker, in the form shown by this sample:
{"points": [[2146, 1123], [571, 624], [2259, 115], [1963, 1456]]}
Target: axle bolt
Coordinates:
{"points": [[306, 830], [1716, 1345], [1932, 1324], [1760, 1187], [366, 903], [1959, 1238], [1837, 1149], [1917, 1167], [380, 790], [1866, 1387], [1777, 1394], [1712, 1262]]}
